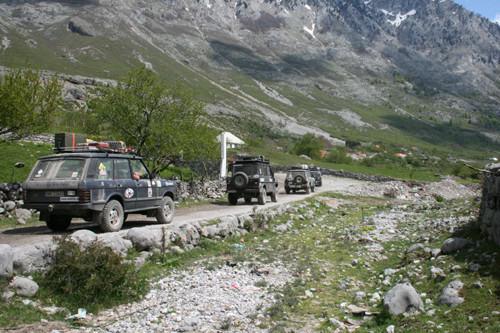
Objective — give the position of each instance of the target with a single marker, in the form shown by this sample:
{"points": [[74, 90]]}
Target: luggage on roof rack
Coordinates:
{"points": [[257, 158]]}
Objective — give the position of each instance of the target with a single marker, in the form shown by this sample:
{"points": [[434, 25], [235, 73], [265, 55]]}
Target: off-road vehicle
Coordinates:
{"points": [[298, 179], [316, 173], [251, 177], [98, 187]]}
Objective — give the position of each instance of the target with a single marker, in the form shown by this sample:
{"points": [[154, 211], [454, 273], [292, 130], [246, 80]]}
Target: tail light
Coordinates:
{"points": [[84, 195]]}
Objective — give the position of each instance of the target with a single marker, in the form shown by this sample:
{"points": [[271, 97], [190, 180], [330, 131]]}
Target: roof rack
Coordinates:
{"points": [[97, 147], [252, 158]]}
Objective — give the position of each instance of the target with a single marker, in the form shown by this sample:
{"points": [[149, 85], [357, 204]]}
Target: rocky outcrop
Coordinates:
{"points": [[489, 215], [81, 27]]}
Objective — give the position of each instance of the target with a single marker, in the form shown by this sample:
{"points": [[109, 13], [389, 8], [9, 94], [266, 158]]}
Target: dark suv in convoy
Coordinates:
{"points": [[316, 174], [98, 187], [299, 178], [251, 177]]}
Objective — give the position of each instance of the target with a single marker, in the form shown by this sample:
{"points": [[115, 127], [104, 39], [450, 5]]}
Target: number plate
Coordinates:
{"points": [[54, 193]]}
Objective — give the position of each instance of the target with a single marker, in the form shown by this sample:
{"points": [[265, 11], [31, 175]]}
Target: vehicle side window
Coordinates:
{"points": [[122, 169], [138, 166], [100, 168]]}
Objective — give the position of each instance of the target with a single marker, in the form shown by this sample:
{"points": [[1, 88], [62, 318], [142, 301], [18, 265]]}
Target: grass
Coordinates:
{"points": [[284, 159], [25, 152]]}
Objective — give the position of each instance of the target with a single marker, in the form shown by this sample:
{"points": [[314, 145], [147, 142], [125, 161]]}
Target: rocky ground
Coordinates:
{"points": [[236, 295]]}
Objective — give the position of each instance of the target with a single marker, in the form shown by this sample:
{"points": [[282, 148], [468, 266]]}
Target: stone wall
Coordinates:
{"points": [[489, 215]]}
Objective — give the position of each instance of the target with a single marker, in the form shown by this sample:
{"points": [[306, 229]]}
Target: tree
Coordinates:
{"points": [[29, 102], [163, 124], [308, 145]]}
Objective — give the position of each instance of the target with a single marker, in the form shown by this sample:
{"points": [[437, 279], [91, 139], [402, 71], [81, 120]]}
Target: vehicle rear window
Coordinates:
{"points": [[292, 174], [59, 169], [248, 169]]}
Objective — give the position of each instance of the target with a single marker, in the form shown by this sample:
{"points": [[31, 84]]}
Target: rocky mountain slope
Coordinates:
{"points": [[337, 68]]}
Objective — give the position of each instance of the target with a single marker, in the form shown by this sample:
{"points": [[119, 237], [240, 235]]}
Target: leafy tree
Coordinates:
{"points": [[163, 124], [338, 156], [29, 102], [308, 145]]}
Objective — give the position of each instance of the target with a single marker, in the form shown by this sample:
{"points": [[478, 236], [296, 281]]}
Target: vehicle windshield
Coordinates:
{"points": [[59, 169]]}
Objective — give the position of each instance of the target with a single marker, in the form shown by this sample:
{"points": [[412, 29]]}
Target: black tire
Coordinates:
{"points": [[240, 180], [248, 198], [274, 195], [232, 198], [298, 179], [262, 197], [165, 213], [111, 217], [287, 190], [58, 222]]}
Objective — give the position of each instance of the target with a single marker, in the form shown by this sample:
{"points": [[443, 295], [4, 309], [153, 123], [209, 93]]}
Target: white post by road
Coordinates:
{"points": [[223, 170]]}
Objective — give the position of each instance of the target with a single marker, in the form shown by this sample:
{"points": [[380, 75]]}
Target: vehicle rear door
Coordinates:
{"points": [[125, 184]]}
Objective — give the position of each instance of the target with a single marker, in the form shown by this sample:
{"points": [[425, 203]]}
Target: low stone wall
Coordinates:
{"points": [[489, 215], [201, 189]]}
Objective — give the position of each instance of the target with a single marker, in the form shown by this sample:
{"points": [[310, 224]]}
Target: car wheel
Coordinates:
{"points": [[240, 180], [165, 213], [58, 222], [274, 195], [111, 217], [232, 198], [287, 190], [248, 198], [262, 197]]}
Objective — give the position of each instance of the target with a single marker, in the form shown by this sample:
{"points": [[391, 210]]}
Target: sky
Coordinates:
{"points": [[487, 8]]}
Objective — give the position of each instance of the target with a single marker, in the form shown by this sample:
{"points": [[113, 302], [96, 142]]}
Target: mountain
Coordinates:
{"points": [[397, 71]]}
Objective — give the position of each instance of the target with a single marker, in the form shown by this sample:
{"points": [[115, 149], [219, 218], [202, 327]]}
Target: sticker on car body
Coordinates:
{"points": [[129, 193]]}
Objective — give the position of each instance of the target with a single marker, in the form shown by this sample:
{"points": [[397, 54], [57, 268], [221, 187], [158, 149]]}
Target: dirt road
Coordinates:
{"points": [[33, 234]]}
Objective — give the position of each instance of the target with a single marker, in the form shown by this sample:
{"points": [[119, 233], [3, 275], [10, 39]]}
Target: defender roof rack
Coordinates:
{"points": [[252, 158]]}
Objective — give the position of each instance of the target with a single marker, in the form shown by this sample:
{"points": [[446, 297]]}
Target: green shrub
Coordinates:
{"points": [[438, 197], [93, 277]]}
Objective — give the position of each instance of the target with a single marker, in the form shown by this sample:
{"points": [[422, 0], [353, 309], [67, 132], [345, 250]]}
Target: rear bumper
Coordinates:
{"points": [[296, 187], [72, 209]]}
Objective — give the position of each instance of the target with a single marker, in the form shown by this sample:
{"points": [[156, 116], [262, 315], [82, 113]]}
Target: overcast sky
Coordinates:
{"points": [[487, 8]]}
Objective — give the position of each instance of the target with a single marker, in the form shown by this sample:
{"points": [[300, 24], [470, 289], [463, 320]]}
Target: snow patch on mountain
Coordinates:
{"points": [[398, 18], [310, 31]]}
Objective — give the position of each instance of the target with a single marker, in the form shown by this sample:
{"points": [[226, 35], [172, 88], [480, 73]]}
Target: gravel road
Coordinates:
{"points": [[33, 234]]}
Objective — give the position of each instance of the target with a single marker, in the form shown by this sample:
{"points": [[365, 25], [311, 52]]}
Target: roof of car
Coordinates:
{"points": [[90, 154]]}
